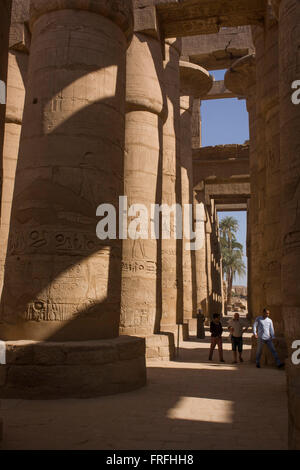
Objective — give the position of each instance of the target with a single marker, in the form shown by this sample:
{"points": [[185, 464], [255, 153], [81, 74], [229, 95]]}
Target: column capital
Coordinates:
{"points": [[194, 80], [118, 11], [241, 76]]}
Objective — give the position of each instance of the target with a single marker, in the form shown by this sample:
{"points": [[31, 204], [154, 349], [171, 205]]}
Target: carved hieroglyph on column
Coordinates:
{"points": [[15, 84], [196, 124], [289, 72], [195, 82], [145, 108], [61, 282]]}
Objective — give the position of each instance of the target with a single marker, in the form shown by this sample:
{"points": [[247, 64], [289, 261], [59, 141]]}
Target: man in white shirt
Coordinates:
{"points": [[263, 330], [237, 330]]}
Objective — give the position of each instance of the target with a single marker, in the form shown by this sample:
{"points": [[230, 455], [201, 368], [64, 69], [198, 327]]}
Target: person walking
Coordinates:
{"points": [[216, 330], [237, 330], [263, 330]]}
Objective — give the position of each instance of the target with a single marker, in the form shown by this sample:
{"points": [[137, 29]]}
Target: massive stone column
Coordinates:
{"points": [[266, 42], [260, 188], [145, 106], [208, 243], [146, 112], [289, 72], [62, 284], [5, 13], [216, 297], [272, 246], [201, 264], [195, 82], [4, 44], [15, 83], [171, 249]]}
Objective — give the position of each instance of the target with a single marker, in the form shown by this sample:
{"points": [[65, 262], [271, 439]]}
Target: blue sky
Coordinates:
{"points": [[226, 122]]}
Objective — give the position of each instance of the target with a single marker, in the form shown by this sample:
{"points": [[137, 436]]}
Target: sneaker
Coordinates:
{"points": [[241, 359], [258, 366], [222, 360], [281, 366]]}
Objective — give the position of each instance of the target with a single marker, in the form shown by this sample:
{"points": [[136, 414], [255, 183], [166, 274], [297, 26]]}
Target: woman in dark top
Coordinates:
{"points": [[216, 330]]}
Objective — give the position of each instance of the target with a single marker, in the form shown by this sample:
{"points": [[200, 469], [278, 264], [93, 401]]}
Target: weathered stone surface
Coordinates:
{"points": [[241, 75], [189, 17], [195, 80], [73, 369], [145, 103], [19, 35], [119, 11], [171, 249], [289, 71], [57, 270], [218, 51]]}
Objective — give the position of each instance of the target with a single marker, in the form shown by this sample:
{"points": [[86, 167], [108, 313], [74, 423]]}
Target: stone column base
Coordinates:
{"points": [[267, 358], [160, 347], [45, 370], [192, 322], [177, 330]]}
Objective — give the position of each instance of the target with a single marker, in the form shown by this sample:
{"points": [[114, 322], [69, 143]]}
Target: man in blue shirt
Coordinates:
{"points": [[264, 332]]}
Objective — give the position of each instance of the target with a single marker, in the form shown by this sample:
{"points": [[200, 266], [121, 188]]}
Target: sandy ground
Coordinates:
{"points": [[189, 403]]}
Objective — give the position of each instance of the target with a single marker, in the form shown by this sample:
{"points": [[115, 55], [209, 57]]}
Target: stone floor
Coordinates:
{"points": [[187, 404]]}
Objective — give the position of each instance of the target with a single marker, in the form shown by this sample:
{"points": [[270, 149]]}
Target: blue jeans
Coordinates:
{"points": [[269, 343]]}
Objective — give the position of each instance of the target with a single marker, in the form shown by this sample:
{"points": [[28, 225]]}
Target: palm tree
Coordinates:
{"points": [[232, 253]]}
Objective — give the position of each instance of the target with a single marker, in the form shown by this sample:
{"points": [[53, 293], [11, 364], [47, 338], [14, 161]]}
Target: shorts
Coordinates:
{"points": [[237, 343]]}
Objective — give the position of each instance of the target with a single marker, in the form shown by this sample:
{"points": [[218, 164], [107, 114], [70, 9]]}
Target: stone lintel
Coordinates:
{"points": [[231, 207], [221, 152], [218, 51], [194, 80], [228, 190], [241, 76], [182, 18]]}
